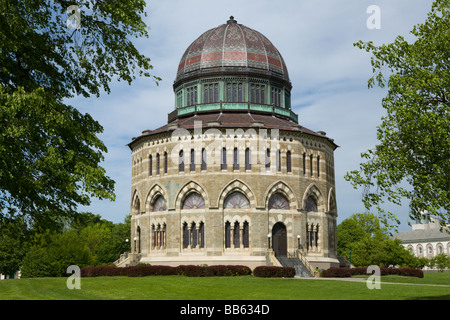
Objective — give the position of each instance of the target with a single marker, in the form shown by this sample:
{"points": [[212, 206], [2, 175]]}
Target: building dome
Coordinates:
{"points": [[232, 47], [232, 69]]}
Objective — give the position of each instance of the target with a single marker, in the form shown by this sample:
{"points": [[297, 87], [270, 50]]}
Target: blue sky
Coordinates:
{"points": [[329, 77]]}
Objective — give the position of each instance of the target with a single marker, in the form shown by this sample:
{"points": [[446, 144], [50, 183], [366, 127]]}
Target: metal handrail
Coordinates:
{"points": [[305, 262]]}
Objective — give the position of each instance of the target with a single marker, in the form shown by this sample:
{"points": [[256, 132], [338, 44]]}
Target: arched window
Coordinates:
{"points": [[137, 206], [288, 162], [311, 204], [192, 166], [194, 233], [159, 204], [165, 162], [318, 166], [311, 164], [150, 165], [159, 236], [181, 161], [246, 235], [186, 235], [223, 164], [278, 201], [236, 200], [203, 159], [236, 235], [235, 159], [278, 160], [201, 239], [248, 159], [193, 201], [227, 234], [304, 164], [268, 159], [157, 163]]}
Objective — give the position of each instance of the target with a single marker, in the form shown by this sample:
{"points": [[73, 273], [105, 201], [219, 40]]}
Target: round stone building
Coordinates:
{"points": [[233, 178]]}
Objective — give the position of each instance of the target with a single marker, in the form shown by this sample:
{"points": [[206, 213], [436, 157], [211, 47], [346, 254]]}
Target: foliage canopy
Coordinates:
{"points": [[412, 159]]}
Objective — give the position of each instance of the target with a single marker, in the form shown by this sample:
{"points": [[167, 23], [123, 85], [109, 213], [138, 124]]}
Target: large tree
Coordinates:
{"points": [[412, 159], [50, 51]]}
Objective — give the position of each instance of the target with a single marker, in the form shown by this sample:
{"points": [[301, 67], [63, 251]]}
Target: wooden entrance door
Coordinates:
{"points": [[279, 239]]}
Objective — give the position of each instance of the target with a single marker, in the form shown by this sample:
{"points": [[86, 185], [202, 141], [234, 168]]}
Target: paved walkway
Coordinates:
{"points": [[382, 282]]}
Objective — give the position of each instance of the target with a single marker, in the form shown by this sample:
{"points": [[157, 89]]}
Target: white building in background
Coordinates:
{"points": [[426, 239]]}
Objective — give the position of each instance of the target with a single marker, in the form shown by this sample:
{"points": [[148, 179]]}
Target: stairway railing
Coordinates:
{"points": [[305, 262]]}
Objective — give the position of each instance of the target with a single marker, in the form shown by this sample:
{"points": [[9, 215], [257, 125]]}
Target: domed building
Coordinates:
{"points": [[232, 178]]}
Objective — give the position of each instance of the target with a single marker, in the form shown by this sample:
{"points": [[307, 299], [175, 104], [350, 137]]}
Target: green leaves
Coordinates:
{"points": [[412, 159], [49, 155], [39, 50]]}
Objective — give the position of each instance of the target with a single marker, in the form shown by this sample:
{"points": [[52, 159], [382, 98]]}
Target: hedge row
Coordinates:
{"points": [[344, 272], [274, 272], [190, 271]]}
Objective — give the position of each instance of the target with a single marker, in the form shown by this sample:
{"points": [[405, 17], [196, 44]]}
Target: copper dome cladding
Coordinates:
{"points": [[232, 45]]}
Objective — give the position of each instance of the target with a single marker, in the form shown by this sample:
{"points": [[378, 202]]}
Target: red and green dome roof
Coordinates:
{"points": [[232, 45]]}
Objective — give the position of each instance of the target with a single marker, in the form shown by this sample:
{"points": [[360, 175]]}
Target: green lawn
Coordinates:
{"points": [[223, 288]]}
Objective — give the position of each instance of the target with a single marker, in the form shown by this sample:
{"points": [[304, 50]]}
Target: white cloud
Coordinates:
{"points": [[329, 76]]}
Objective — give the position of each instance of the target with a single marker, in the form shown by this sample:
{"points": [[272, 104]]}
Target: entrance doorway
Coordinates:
{"points": [[279, 239]]}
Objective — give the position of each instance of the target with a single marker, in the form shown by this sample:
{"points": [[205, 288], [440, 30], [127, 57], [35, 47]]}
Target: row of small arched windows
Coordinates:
{"points": [[236, 164]]}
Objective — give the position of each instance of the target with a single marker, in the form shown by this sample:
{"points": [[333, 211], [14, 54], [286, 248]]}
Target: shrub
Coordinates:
{"points": [[149, 270], [103, 271], [211, 271], [274, 272], [143, 271], [336, 273], [344, 272]]}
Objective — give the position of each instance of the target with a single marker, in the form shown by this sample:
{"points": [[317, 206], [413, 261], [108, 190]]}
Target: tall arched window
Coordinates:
{"points": [[192, 166], [181, 161], [194, 234], [248, 159], [227, 234], [304, 164], [157, 163], [235, 159], [288, 162], [201, 239], [223, 164], [311, 164], [318, 166], [278, 160], [203, 159], [236, 235], [268, 159], [246, 235], [165, 162], [186, 235], [150, 165]]}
